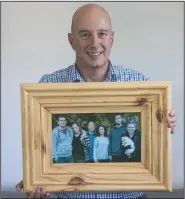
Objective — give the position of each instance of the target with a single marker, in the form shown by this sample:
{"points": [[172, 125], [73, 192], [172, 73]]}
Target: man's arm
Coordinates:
{"points": [[110, 145], [85, 141], [54, 145], [94, 150]]}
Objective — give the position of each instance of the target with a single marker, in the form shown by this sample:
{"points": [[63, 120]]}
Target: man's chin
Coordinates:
{"points": [[96, 64]]}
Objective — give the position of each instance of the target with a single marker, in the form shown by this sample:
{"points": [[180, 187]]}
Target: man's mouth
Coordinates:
{"points": [[94, 53]]}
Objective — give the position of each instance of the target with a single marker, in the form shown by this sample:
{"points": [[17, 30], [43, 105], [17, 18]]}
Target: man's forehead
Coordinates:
{"points": [[88, 30], [92, 26], [62, 118], [90, 16], [131, 125]]}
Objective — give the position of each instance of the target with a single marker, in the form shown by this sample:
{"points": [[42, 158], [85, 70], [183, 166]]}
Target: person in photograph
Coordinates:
{"points": [[128, 147], [62, 142], [134, 136], [115, 151], [91, 133], [80, 144], [101, 145]]}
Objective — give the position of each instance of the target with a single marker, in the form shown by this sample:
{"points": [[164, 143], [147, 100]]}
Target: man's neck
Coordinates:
{"points": [[62, 128], [90, 74], [131, 134], [118, 125]]}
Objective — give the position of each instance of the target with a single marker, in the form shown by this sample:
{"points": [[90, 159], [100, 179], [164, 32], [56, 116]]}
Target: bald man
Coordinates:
{"points": [[92, 38]]}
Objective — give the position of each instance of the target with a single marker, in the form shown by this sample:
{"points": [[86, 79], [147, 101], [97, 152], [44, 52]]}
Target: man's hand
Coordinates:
{"points": [[96, 161], [56, 158], [171, 121], [38, 193]]}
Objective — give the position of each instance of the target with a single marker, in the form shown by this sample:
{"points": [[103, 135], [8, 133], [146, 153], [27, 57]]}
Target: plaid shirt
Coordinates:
{"points": [[116, 73]]}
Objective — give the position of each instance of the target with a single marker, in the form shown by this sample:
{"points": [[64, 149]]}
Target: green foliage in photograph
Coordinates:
{"points": [[106, 119]]}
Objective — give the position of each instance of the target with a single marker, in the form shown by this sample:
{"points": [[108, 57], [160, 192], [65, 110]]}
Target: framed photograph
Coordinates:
{"points": [[96, 136]]}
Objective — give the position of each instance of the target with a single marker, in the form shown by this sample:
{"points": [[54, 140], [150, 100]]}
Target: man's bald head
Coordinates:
{"points": [[91, 37], [86, 10]]}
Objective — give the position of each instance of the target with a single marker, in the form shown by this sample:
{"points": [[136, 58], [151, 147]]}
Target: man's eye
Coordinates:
{"points": [[102, 34], [84, 36]]}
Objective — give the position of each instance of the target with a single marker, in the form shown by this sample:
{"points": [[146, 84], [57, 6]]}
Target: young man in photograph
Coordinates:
{"points": [[92, 38], [115, 150], [62, 142], [134, 135]]}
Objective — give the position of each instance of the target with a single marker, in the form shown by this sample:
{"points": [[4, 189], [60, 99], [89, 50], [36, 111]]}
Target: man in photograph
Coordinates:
{"points": [[62, 142], [134, 135], [115, 150]]}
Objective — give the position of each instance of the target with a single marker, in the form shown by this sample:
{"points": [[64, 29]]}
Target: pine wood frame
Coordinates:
{"points": [[152, 99]]}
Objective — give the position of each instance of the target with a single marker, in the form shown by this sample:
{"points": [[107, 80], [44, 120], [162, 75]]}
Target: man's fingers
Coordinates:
{"points": [[37, 193], [171, 120], [173, 130], [19, 186], [31, 195], [172, 112], [42, 193], [47, 194]]}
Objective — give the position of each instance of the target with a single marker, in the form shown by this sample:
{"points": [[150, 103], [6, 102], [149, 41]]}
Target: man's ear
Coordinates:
{"points": [[71, 40], [112, 38]]}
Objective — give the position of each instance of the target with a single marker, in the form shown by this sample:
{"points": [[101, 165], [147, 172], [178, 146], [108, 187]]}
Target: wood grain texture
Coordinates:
{"points": [[40, 101]]}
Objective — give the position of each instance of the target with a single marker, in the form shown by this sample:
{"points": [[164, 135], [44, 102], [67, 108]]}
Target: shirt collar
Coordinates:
{"points": [[76, 77], [63, 131]]}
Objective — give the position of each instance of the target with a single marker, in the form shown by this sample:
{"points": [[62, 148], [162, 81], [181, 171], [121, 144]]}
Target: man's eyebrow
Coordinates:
{"points": [[103, 30], [85, 31], [82, 31]]}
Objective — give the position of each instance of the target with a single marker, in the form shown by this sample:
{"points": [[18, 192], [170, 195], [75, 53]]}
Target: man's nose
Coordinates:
{"points": [[95, 41]]}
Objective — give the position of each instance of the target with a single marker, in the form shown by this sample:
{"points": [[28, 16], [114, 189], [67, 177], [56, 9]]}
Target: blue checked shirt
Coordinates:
{"points": [[116, 73]]}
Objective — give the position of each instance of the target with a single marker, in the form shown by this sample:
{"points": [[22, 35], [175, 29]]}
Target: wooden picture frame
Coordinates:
{"points": [[152, 99]]}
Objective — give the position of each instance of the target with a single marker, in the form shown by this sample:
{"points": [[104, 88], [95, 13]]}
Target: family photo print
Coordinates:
{"points": [[96, 138]]}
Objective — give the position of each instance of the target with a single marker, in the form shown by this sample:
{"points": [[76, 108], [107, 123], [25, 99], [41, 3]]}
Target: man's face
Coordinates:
{"points": [[92, 39], [91, 126], [62, 122], [131, 128], [75, 128], [118, 119]]}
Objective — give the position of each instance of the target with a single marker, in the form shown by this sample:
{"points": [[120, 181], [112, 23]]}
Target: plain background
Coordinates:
{"points": [[148, 38]]}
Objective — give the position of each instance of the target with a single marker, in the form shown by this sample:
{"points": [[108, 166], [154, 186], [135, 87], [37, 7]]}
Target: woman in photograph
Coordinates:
{"points": [[101, 145], [131, 143], [80, 145]]}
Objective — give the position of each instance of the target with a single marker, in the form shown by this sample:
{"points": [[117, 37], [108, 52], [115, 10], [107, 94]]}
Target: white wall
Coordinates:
{"points": [[148, 37]]}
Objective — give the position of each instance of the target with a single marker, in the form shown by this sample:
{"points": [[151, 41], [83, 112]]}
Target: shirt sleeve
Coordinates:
{"points": [[86, 142], [44, 79], [110, 143], [54, 144], [94, 148]]}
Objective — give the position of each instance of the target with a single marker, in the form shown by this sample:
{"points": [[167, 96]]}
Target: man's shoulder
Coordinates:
{"points": [[62, 75], [116, 128], [128, 74], [55, 130]]}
